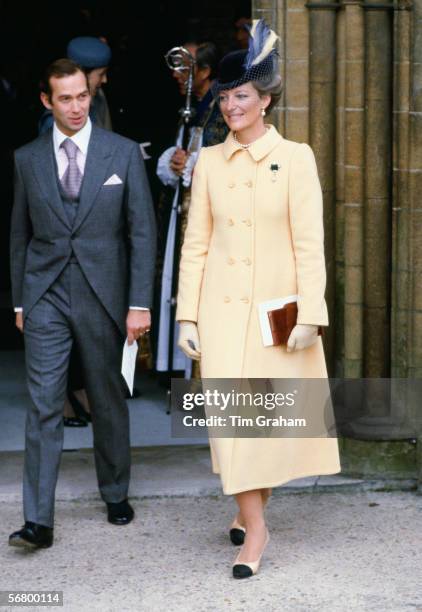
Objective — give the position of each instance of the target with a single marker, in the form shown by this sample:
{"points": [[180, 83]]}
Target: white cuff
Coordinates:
{"points": [[137, 308], [18, 309], [164, 172], [188, 169]]}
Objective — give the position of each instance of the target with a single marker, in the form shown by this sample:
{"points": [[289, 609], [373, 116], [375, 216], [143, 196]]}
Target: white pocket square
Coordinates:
{"points": [[113, 180]]}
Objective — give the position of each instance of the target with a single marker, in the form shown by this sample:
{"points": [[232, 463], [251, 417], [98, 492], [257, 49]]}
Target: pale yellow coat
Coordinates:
{"points": [[256, 234]]}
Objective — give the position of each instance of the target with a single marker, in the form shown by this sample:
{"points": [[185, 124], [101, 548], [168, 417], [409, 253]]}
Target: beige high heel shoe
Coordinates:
{"points": [[246, 570], [237, 533]]}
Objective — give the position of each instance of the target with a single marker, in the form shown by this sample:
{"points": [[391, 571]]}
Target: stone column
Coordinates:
{"points": [[415, 212], [401, 295], [415, 193], [338, 321], [378, 166], [295, 23], [322, 137], [354, 125], [377, 223]]}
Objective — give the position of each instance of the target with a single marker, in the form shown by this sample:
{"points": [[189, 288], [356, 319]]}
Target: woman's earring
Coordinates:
{"points": [[263, 113]]}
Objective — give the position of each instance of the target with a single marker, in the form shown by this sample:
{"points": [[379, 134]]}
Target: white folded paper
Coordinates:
{"points": [[264, 308], [129, 363]]}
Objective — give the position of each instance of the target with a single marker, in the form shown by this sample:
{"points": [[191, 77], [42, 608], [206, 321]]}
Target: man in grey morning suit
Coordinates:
{"points": [[82, 265]]}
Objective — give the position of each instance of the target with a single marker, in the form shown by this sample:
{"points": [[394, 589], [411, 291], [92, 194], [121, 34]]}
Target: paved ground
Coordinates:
{"points": [[328, 552], [350, 549]]}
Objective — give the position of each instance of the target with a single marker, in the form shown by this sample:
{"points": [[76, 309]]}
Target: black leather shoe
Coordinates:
{"points": [[32, 535], [74, 422], [121, 513]]}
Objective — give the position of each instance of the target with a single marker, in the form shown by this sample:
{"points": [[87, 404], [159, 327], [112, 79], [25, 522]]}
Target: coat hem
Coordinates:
{"points": [[278, 483]]}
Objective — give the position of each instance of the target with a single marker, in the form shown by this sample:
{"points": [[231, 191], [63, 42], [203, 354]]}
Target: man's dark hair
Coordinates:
{"points": [[59, 69], [207, 56]]}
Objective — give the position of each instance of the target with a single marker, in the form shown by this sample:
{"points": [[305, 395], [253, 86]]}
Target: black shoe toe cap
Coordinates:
{"points": [[237, 536], [242, 571], [120, 514]]}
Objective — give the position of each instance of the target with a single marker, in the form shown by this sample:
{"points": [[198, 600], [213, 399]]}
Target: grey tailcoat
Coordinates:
{"points": [[113, 236]]}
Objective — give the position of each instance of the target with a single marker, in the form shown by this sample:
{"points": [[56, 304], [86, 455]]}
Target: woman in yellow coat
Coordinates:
{"points": [[255, 233]]}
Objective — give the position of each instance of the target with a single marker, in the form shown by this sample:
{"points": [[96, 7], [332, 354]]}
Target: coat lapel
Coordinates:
{"points": [[44, 167], [98, 159]]}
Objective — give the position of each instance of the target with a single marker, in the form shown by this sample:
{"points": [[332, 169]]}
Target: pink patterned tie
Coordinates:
{"points": [[72, 178]]}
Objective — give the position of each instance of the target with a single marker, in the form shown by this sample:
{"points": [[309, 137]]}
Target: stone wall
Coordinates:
{"points": [[352, 76]]}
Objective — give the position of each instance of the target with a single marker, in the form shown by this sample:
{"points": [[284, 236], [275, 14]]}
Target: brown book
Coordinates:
{"points": [[282, 321]]}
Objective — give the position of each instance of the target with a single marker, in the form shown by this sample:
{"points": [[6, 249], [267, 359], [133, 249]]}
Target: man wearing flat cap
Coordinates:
{"points": [[82, 269]]}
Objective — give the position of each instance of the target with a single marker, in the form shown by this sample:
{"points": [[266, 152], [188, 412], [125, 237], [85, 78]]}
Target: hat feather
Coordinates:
{"points": [[261, 43]]}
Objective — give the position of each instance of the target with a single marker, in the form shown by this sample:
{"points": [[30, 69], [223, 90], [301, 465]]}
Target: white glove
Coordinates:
{"points": [[301, 337], [189, 340]]}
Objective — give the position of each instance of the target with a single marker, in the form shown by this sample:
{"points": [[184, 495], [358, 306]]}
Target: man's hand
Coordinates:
{"points": [[19, 321], [178, 161], [137, 323]]}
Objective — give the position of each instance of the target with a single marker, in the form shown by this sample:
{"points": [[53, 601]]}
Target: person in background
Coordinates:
{"points": [[241, 31], [175, 166]]}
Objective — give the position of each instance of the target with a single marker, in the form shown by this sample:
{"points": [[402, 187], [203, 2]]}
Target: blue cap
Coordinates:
{"points": [[89, 52]]}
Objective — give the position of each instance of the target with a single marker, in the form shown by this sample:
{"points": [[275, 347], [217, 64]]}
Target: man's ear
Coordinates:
{"points": [[45, 100]]}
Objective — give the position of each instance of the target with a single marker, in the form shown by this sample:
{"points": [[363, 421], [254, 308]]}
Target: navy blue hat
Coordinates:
{"points": [[257, 63], [89, 52]]}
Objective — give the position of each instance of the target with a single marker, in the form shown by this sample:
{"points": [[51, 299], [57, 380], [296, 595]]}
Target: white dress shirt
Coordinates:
{"points": [[81, 140]]}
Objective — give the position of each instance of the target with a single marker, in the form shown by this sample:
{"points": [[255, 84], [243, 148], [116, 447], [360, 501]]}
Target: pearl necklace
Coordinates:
{"points": [[245, 146]]}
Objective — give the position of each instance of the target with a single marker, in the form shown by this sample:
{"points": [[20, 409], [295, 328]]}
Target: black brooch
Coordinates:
{"points": [[274, 169]]}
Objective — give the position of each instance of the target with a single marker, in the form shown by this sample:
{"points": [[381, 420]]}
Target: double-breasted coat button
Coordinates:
{"points": [[230, 222], [231, 184], [248, 183], [226, 299], [247, 222], [245, 300], [247, 261], [230, 261]]}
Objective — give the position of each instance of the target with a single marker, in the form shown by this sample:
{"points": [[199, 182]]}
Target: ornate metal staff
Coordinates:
{"points": [[179, 59]]}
